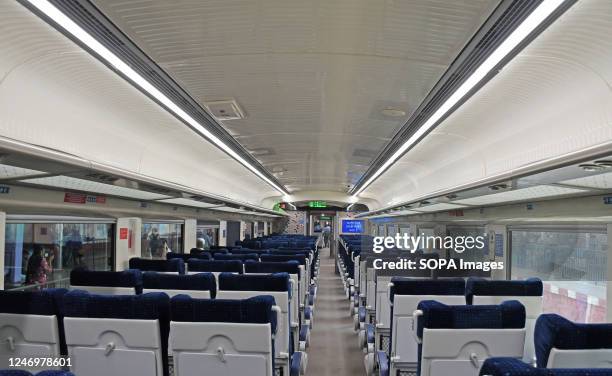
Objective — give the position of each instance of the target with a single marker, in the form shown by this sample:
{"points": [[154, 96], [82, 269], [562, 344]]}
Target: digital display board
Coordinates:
{"points": [[317, 204], [352, 226]]}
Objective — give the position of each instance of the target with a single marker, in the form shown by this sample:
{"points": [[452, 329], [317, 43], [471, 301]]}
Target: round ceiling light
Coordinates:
{"points": [[393, 112]]}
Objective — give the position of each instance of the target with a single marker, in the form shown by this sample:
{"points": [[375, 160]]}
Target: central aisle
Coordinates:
{"points": [[333, 347]]}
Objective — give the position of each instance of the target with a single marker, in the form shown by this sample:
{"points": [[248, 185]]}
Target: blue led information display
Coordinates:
{"points": [[352, 226]]}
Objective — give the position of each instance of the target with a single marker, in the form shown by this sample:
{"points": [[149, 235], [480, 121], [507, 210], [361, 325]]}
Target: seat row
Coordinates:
{"points": [[247, 328], [436, 325]]}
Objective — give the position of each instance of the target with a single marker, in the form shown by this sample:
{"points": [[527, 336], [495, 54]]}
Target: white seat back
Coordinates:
{"points": [[461, 352], [281, 340], [102, 347], [221, 349], [27, 336], [533, 309], [405, 347]]}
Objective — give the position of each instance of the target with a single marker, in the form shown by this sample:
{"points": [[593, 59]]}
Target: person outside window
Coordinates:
{"points": [[38, 267]]}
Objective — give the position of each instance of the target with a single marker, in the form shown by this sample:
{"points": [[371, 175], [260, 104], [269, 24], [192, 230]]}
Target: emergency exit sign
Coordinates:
{"points": [[317, 204]]}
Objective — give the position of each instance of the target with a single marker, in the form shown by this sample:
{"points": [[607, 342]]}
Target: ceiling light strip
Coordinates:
{"points": [[531, 23], [77, 32]]}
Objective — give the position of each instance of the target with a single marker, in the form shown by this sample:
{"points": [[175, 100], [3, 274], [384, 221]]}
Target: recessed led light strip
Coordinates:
{"points": [[76, 31], [531, 23]]}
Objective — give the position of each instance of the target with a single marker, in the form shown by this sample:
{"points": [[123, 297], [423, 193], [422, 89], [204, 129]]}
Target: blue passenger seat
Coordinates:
{"points": [[560, 343], [174, 265], [105, 282], [199, 285], [223, 337], [515, 367], [20, 313], [117, 335], [456, 340]]}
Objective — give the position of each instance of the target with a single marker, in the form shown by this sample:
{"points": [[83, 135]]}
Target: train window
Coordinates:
{"points": [[209, 235], [43, 254], [573, 266], [473, 253], [161, 238]]}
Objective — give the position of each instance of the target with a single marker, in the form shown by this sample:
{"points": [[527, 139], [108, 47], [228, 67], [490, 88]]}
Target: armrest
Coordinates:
{"points": [[383, 363], [298, 364], [370, 333]]}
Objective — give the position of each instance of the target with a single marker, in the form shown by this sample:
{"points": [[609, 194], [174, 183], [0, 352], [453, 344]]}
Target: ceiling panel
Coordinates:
{"points": [[311, 77], [439, 207], [601, 181], [531, 193], [188, 202], [68, 182], [9, 172]]}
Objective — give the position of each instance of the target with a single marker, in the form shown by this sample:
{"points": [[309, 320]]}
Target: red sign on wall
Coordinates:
{"points": [[123, 233], [75, 198], [81, 198]]}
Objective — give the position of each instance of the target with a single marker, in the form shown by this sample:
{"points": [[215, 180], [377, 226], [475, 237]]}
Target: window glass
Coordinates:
{"points": [[474, 253], [207, 236], [38, 255], [160, 238], [573, 266]]}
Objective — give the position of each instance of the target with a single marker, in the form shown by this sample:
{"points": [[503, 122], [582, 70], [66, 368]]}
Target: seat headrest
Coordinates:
{"points": [[174, 255], [411, 286], [516, 367], [552, 330], [172, 265], [508, 315], [256, 310], [197, 265], [126, 278], [200, 281], [484, 287], [242, 257], [276, 258], [291, 267], [149, 306], [254, 282], [14, 372], [46, 302]]}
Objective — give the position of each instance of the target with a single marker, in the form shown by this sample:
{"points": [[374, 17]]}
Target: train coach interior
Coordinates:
{"points": [[284, 188]]}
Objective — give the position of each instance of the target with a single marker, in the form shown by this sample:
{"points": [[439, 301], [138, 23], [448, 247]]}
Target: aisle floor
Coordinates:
{"points": [[333, 347]]}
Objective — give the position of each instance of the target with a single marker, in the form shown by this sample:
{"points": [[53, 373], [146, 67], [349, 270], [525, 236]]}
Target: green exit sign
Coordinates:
{"points": [[317, 204]]}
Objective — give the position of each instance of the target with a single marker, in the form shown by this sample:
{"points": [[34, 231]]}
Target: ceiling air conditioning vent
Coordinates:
{"points": [[225, 109], [109, 179]]}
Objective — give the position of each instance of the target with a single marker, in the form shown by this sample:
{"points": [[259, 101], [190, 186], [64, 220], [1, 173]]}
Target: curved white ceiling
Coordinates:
{"points": [[552, 99], [312, 76], [54, 94]]}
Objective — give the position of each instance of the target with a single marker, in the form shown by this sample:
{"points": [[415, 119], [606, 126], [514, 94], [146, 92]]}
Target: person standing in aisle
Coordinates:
{"points": [[326, 234]]}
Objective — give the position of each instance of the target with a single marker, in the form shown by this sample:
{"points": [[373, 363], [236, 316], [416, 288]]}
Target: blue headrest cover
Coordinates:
{"points": [[253, 282], [410, 286], [172, 265], [256, 310], [483, 287], [552, 330], [200, 281], [126, 278], [508, 315], [245, 256], [515, 367], [291, 267], [46, 302], [149, 306], [182, 256], [197, 265], [276, 258]]}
